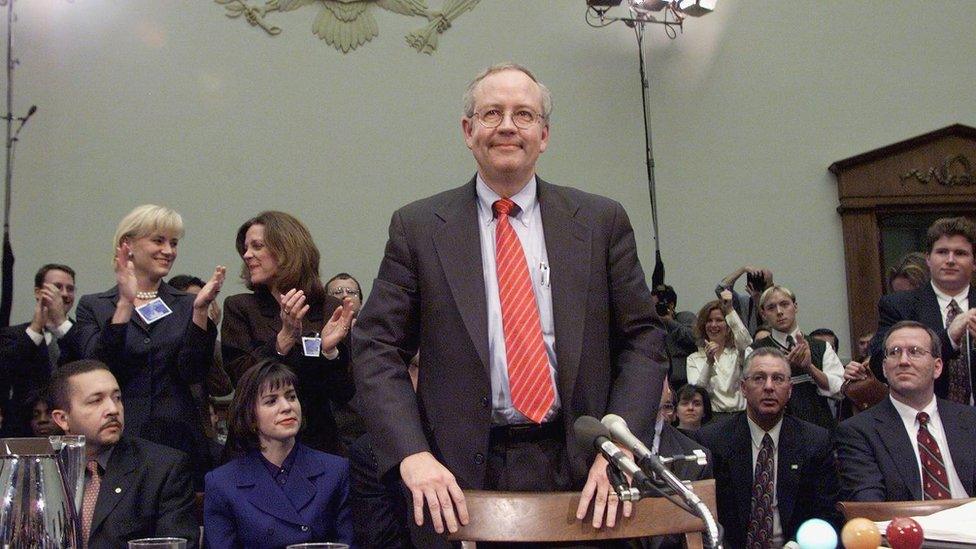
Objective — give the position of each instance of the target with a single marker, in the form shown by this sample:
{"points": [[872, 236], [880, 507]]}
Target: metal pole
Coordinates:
{"points": [[648, 148]]}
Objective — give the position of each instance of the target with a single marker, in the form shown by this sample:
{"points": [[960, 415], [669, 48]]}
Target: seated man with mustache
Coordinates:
{"points": [[133, 488]]}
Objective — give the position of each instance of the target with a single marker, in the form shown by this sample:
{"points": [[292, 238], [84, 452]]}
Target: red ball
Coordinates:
{"points": [[904, 533]]}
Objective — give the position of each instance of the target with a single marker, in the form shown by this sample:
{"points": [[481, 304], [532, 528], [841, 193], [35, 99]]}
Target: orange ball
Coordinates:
{"points": [[860, 533]]}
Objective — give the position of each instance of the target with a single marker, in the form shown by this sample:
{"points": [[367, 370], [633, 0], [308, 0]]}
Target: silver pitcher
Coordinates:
{"points": [[40, 482]]}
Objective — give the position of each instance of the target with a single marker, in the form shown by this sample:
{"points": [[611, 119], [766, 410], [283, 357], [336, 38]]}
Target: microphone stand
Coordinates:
{"points": [[713, 532]]}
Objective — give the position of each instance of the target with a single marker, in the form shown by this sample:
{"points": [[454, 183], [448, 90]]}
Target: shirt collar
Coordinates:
{"points": [[286, 465], [756, 433], [780, 337], [102, 457], [944, 298], [525, 199], [908, 414]]}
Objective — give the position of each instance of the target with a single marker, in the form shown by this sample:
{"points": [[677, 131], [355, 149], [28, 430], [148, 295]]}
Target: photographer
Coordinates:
{"points": [[747, 306], [680, 339]]}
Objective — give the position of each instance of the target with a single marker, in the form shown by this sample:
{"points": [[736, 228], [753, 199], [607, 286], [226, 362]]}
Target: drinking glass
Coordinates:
{"points": [[158, 543]]}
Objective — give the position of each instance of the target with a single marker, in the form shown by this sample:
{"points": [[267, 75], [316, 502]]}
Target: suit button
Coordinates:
{"points": [[479, 458], [485, 403], [147, 341], [304, 528]]}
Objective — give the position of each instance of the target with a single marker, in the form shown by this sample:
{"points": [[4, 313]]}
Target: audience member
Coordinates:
{"points": [[680, 339], [694, 408], [864, 347], [133, 488], [437, 291], [41, 423], [289, 317], [722, 340], [765, 451], [944, 305], [747, 305], [827, 336], [158, 341], [30, 351], [280, 492], [910, 273], [762, 332], [912, 445], [816, 371], [343, 285]]}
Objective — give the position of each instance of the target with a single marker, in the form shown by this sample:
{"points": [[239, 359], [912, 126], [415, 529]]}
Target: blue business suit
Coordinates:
{"points": [[243, 506]]}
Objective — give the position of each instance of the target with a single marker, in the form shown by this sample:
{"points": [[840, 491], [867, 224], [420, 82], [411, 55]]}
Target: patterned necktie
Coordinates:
{"points": [[528, 364], [760, 533], [53, 352], [88, 503], [790, 342], [959, 390], [935, 482]]}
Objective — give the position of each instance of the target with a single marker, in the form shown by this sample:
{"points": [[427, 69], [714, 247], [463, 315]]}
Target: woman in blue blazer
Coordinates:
{"points": [[281, 491], [157, 340]]}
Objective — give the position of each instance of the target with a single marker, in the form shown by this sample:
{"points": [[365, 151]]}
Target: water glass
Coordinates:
{"points": [[158, 543]]}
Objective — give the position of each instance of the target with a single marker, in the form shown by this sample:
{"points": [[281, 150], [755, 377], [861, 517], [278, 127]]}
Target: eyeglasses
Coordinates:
{"points": [[914, 353], [760, 379], [339, 292], [522, 118]]}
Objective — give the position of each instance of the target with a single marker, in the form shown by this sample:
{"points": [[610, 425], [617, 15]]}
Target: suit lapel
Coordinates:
{"points": [[300, 488], [788, 460], [458, 246], [568, 244], [255, 484], [959, 435], [891, 431], [115, 483]]}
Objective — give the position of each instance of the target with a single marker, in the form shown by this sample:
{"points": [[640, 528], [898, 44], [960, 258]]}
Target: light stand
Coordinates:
{"points": [[640, 14]]}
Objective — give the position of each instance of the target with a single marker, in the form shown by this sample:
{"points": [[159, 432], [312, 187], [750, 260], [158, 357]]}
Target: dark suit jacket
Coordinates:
{"points": [[379, 508], [145, 492], [430, 295], [154, 364], [876, 459], [674, 442], [248, 332], [922, 306], [806, 477], [243, 506], [24, 369]]}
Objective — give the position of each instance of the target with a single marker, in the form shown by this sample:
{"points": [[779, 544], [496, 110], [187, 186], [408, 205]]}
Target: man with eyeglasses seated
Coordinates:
{"points": [[772, 471], [344, 285], [912, 445]]}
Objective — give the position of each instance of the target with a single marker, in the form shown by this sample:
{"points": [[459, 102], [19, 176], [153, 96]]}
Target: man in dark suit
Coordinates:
{"points": [[133, 488], [30, 351], [947, 305], [911, 445], [583, 338], [763, 451]]}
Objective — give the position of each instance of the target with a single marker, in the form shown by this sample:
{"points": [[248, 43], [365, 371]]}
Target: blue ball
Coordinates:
{"points": [[816, 534]]}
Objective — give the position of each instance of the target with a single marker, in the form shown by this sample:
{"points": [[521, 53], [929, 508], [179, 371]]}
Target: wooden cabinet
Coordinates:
{"points": [[910, 181]]}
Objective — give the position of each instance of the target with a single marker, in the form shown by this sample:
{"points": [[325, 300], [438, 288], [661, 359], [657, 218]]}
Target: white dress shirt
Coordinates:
{"points": [[909, 417], [756, 433], [48, 335], [528, 228]]}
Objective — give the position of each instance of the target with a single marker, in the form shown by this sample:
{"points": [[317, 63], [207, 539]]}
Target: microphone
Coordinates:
{"points": [[590, 433], [622, 435]]}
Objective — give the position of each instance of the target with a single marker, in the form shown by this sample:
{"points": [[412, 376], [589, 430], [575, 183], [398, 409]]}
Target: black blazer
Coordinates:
{"points": [[248, 332], [429, 295], [24, 369], [876, 459], [920, 305], [155, 365], [145, 492], [806, 477]]}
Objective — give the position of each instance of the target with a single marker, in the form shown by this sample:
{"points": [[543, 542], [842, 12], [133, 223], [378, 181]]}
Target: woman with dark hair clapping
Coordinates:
{"points": [[289, 317], [157, 340], [280, 491]]}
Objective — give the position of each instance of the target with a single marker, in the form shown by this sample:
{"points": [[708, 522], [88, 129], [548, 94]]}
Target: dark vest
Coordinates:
{"points": [[805, 402]]}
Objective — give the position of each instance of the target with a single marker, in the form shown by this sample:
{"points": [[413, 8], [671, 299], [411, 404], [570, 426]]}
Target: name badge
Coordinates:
{"points": [[312, 346], [153, 311]]}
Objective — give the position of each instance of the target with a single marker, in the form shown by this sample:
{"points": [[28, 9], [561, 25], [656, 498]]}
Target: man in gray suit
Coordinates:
{"points": [[133, 488], [584, 326]]}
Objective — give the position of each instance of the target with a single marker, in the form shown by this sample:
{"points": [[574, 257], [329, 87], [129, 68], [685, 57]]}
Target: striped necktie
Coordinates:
{"points": [[528, 365], [935, 481]]}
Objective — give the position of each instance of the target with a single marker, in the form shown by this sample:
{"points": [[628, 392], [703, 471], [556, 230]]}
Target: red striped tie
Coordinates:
{"points": [[528, 364], [935, 482]]}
